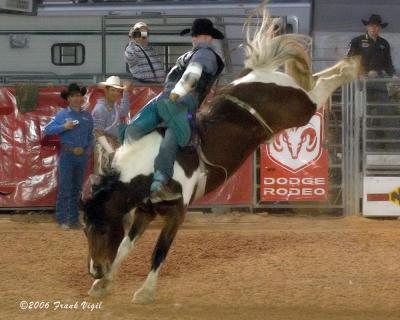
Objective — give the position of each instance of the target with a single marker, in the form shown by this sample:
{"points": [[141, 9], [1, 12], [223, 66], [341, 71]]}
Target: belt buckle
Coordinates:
{"points": [[78, 151]]}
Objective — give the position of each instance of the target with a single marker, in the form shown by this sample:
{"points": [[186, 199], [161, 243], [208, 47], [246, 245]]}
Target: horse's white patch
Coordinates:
{"points": [[124, 248], [146, 293], [188, 184], [91, 267], [266, 76], [151, 280], [138, 158]]}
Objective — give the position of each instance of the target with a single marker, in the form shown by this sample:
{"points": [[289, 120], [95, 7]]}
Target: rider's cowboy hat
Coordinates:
{"points": [[203, 26], [375, 19], [113, 81], [73, 88]]}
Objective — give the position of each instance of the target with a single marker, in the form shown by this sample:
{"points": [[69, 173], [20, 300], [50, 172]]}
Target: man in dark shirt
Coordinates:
{"points": [[373, 49], [376, 61]]}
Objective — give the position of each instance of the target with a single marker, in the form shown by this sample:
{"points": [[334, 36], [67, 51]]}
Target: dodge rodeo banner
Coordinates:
{"points": [[294, 166]]}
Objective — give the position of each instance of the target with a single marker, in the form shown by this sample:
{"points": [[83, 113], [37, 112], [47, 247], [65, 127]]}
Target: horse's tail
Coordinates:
{"points": [[268, 51]]}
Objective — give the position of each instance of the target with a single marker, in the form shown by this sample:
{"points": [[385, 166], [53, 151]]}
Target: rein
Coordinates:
{"points": [[245, 106], [203, 159]]}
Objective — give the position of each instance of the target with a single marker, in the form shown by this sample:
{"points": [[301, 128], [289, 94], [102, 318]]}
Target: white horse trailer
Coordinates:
{"points": [[88, 40]]}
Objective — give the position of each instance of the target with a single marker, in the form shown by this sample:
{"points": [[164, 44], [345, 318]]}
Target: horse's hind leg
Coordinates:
{"points": [[141, 220], [324, 87], [351, 63], [174, 216]]}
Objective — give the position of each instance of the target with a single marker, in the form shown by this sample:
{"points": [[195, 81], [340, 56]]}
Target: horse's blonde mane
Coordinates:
{"points": [[269, 51]]}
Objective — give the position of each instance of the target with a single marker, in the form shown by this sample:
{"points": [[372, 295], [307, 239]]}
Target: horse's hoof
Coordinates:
{"points": [[97, 293], [143, 296], [99, 288]]}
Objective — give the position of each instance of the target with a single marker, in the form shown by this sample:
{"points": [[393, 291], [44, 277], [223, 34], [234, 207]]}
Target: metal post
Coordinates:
{"points": [[345, 148], [357, 181], [103, 46]]}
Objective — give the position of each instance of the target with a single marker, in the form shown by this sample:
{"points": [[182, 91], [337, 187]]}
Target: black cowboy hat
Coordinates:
{"points": [[203, 26], [375, 19], [73, 88]]}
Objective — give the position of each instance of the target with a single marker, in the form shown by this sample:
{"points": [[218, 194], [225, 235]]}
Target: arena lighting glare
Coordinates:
{"points": [[28, 7]]}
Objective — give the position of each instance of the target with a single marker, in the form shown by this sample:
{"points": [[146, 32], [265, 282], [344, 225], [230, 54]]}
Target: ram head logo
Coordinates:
{"points": [[296, 139], [297, 148]]}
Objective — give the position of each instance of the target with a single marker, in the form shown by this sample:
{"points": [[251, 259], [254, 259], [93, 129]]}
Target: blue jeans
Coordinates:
{"points": [[71, 173], [145, 122]]}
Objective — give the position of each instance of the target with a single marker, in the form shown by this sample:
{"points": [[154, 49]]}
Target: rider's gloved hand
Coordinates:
{"points": [[173, 96]]}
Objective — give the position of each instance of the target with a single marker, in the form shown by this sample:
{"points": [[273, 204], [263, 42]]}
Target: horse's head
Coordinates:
{"points": [[104, 225], [103, 241]]}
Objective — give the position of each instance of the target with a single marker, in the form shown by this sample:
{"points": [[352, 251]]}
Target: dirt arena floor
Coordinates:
{"points": [[234, 266]]}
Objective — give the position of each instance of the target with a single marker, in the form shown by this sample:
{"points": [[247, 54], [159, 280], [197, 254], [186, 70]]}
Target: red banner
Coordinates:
{"points": [[294, 166], [28, 160], [236, 191]]}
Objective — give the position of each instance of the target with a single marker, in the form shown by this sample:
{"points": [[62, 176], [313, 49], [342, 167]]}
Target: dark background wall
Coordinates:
{"points": [[346, 15]]}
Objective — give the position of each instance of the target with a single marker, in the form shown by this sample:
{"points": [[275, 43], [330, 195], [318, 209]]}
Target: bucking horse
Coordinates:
{"points": [[253, 108]]}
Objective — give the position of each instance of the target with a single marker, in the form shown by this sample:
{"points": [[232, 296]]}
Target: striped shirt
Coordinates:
{"points": [[107, 121], [140, 67]]}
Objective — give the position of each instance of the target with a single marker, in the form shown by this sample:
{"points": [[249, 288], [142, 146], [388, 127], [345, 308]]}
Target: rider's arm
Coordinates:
{"points": [[189, 80], [203, 60]]}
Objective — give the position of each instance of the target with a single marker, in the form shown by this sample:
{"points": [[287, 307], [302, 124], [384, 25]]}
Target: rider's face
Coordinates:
{"points": [[202, 38]]}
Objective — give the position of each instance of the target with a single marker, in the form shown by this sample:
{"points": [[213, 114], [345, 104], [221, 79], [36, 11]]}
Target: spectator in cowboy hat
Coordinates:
{"points": [[374, 50], [107, 115], [376, 61], [143, 61], [75, 128]]}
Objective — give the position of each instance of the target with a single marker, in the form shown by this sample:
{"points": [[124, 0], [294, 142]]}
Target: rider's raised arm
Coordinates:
{"points": [[203, 61], [189, 79]]}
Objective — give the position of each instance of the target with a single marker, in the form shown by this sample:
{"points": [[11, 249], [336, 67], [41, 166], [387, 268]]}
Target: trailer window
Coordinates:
{"points": [[68, 54]]}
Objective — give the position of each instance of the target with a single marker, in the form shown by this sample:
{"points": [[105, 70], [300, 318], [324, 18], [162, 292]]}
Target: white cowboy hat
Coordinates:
{"points": [[113, 81]]}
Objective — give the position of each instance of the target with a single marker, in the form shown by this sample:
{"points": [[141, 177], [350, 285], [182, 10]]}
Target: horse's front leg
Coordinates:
{"points": [[174, 216], [141, 221]]}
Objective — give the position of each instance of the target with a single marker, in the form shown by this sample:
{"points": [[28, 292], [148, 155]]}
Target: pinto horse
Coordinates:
{"points": [[260, 103]]}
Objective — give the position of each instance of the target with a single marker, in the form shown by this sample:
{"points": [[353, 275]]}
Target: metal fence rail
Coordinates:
{"points": [[381, 127]]}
